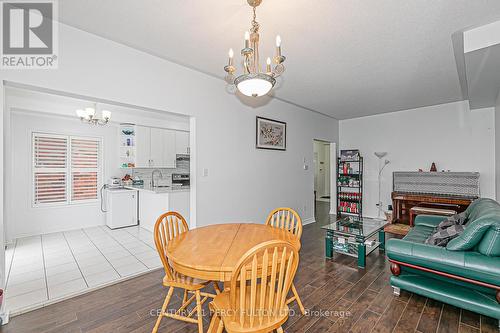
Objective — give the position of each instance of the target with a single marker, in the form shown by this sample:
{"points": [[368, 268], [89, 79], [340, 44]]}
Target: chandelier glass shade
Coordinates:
{"points": [[88, 115], [254, 82]]}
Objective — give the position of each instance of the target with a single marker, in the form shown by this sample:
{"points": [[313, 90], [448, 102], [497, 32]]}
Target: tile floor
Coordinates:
{"points": [[43, 269]]}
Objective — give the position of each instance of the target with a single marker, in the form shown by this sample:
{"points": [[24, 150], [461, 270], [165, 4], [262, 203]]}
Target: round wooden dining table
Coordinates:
{"points": [[212, 252]]}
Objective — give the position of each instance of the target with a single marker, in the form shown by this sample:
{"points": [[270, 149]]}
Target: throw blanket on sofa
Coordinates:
{"points": [[450, 228]]}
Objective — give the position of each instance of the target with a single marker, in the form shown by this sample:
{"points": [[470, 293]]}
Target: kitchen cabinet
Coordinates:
{"points": [[182, 142], [143, 147], [152, 205], [168, 149], [156, 152], [155, 147]]}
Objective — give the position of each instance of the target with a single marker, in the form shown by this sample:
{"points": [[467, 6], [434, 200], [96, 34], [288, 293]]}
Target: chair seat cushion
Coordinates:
{"points": [[231, 318]]}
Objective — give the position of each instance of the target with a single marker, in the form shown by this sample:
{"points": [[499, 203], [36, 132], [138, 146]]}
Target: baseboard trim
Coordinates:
{"points": [[308, 221], [4, 317]]}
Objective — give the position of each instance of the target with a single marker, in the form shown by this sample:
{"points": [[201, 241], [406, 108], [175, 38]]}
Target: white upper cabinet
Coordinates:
{"points": [[143, 147], [156, 147], [156, 154], [182, 142], [168, 149]]}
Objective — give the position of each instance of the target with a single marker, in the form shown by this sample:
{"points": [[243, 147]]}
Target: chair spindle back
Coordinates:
{"points": [[287, 219], [167, 227], [260, 282]]}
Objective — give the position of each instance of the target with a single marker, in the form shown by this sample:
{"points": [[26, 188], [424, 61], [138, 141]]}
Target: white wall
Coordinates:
{"points": [[497, 147], [450, 135], [243, 183], [26, 220]]}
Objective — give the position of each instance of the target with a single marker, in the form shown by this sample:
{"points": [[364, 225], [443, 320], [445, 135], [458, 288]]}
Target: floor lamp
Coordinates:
{"points": [[381, 167]]}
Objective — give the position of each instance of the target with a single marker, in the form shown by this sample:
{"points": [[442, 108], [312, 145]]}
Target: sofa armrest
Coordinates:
{"points": [[468, 264], [429, 220]]}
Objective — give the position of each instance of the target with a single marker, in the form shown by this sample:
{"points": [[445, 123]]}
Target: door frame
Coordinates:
{"points": [[333, 175]]}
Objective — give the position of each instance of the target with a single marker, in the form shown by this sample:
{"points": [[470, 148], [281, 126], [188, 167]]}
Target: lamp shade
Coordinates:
{"points": [[80, 113], [106, 115], [90, 112], [255, 85]]}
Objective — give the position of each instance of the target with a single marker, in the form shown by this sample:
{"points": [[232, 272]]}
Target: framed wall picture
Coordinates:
{"points": [[270, 134]]}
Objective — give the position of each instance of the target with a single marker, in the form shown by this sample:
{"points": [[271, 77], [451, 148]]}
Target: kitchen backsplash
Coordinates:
{"points": [[145, 173]]}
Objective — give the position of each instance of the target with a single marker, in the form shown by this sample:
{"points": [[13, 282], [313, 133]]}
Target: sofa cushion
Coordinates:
{"points": [[442, 236], [469, 264], [429, 220], [419, 234], [481, 215], [490, 244], [473, 234], [460, 219]]}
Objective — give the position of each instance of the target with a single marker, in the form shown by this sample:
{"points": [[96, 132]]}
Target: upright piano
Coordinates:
{"points": [[446, 189]]}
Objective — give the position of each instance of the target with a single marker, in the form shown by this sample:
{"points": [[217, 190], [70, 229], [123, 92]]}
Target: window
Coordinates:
{"points": [[66, 169]]}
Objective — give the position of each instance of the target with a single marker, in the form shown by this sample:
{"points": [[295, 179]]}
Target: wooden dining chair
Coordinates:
{"points": [[288, 219], [169, 226], [256, 299]]}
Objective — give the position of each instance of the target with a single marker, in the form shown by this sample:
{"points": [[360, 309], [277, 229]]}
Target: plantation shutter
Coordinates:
{"points": [[84, 168], [50, 168]]}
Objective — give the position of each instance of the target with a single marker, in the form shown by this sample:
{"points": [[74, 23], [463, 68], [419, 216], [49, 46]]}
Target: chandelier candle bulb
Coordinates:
{"points": [[278, 46], [247, 39], [231, 55], [268, 67]]}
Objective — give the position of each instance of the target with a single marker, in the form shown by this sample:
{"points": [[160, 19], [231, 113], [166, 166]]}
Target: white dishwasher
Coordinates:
{"points": [[120, 207]]}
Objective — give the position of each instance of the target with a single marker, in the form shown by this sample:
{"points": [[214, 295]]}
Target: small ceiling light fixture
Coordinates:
{"points": [[88, 115], [254, 82]]}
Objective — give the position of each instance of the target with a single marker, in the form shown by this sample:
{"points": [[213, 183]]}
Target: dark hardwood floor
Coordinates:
{"points": [[339, 296]]}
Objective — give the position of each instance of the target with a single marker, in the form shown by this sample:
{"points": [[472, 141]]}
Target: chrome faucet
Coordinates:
{"points": [[153, 177]]}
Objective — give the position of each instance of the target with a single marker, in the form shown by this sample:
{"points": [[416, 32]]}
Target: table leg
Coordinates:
{"points": [[328, 246], [381, 239], [361, 255]]}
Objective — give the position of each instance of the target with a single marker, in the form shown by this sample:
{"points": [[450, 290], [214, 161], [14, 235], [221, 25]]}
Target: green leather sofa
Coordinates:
{"points": [[465, 273]]}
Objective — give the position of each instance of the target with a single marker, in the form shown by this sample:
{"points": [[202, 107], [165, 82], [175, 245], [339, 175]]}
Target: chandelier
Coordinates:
{"points": [[255, 82], [88, 115]]}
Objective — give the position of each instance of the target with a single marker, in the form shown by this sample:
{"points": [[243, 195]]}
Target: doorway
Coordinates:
{"points": [[324, 175]]}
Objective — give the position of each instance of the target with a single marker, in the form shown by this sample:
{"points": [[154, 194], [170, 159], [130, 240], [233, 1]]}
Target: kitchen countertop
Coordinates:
{"points": [[157, 190]]}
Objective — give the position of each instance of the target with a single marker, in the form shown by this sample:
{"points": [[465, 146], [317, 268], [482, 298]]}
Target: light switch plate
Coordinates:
{"points": [[205, 172]]}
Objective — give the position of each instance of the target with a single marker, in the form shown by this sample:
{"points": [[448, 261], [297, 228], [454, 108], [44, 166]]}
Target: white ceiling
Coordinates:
{"points": [[483, 76], [29, 100], [345, 58]]}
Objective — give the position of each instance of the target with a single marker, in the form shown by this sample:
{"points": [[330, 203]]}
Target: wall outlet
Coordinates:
{"points": [[205, 172]]}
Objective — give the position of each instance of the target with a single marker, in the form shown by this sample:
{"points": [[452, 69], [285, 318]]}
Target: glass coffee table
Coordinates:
{"points": [[355, 236]]}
